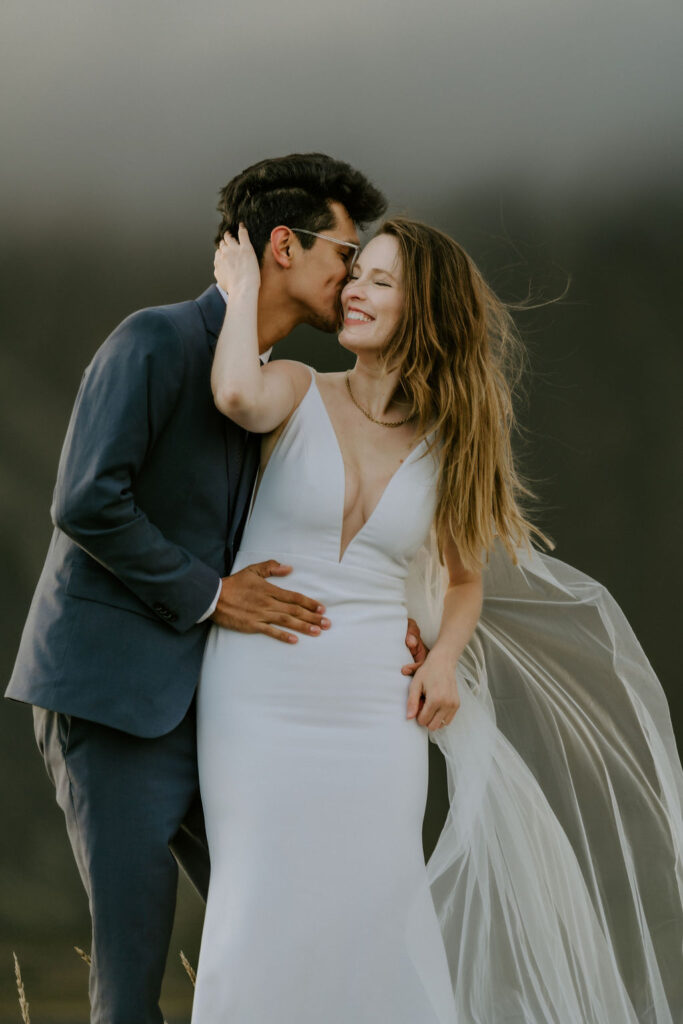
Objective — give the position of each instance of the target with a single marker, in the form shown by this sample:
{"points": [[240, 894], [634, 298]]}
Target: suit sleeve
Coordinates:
{"points": [[127, 395]]}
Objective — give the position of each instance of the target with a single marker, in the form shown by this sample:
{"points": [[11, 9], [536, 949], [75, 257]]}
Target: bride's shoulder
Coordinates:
{"points": [[299, 374], [304, 375]]}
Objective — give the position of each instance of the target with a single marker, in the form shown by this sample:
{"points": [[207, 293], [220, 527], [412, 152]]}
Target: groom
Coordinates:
{"points": [[151, 494]]}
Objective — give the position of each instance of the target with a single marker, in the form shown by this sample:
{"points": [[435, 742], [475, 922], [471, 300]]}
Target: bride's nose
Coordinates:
{"points": [[352, 289]]}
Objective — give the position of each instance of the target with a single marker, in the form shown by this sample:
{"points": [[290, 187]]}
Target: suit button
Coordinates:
{"points": [[164, 612]]}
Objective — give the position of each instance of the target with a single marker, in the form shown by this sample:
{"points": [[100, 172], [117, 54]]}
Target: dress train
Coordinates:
{"points": [[558, 876]]}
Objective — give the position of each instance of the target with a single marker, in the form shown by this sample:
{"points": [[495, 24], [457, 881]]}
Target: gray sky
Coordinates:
{"points": [[147, 104]]}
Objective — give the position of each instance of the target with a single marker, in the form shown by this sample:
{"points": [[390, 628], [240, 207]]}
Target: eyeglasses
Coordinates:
{"points": [[355, 249]]}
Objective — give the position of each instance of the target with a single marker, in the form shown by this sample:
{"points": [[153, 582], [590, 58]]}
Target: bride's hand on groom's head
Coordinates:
{"points": [[236, 267]]}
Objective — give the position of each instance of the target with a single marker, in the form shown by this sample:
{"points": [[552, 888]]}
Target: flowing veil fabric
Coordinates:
{"points": [[558, 876]]}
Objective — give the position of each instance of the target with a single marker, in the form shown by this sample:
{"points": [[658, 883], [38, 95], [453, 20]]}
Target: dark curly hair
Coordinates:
{"points": [[296, 190]]}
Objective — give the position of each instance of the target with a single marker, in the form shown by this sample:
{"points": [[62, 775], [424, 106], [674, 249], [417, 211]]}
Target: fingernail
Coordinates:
{"points": [[293, 639], [320, 609], [411, 641], [314, 629], [325, 623]]}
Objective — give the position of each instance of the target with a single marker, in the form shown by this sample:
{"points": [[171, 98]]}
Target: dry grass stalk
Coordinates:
{"points": [[83, 955], [188, 968], [23, 1001], [85, 958]]}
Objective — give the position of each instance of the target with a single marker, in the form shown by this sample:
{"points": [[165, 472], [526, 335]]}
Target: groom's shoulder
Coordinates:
{"points": [[171, 319], [164, 328]]}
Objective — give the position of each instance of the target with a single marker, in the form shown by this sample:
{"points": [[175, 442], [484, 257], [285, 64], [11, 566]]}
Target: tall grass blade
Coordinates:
{"points": [[188, 968], [23, 1001]]}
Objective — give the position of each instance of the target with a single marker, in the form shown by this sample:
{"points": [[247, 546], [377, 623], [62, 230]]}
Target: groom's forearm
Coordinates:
{"points": [[168, 578]]}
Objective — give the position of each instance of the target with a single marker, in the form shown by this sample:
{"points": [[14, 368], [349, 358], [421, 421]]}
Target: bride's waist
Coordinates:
{"points": [[331, 583]]}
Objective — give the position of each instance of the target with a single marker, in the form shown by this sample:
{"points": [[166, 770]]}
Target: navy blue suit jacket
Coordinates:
{"points": [[152, 489]]}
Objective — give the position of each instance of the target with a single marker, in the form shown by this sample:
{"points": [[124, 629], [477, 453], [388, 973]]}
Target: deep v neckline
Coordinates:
{"points": [[342, 554]]}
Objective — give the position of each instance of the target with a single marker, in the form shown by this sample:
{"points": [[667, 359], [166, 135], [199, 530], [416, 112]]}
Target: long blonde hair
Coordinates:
{"points": [[461, 358]]}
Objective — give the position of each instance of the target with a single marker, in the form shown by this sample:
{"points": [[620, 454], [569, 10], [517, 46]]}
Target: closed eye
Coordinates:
{"points": [[383, 284]]}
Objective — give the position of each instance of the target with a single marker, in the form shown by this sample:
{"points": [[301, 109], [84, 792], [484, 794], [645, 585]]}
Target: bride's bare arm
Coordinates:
{"points": [[433, 695], [258, 398]]}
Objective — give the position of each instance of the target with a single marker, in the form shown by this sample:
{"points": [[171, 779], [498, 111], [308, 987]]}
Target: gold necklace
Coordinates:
{"points": [[382, 423]]}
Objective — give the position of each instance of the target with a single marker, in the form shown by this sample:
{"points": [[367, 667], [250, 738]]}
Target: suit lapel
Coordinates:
{"points": [[212, 307], [251, 451], [241, 448]]}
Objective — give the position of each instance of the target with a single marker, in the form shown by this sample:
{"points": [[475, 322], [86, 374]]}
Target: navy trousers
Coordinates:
{"points": [[132, 807]]}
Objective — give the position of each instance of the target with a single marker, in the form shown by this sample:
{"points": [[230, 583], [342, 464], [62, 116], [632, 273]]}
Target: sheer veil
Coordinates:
{"points": [[558, 876]]}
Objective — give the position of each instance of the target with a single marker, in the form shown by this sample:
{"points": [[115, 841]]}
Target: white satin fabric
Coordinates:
{"points": [[313, 781], [555, 892]]}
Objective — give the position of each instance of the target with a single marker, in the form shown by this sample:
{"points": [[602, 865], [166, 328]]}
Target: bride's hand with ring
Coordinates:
{"points": [[433, 693]]}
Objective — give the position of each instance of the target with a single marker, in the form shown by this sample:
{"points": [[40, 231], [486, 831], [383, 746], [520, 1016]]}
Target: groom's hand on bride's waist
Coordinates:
{"points": [[415, 645], [248, 603]]}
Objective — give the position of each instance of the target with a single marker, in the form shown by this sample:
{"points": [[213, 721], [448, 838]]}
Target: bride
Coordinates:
{"points": [[555, 891]]}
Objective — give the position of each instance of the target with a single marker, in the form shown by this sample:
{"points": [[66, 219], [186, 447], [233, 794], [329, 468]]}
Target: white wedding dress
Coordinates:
{"points": [[554, 893]]}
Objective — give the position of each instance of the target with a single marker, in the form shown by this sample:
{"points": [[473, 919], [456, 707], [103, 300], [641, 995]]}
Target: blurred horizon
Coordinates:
{"points": [[138, 109]]}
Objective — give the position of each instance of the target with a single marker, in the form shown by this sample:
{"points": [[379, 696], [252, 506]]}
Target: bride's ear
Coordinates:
{"points": [[282, 242]]}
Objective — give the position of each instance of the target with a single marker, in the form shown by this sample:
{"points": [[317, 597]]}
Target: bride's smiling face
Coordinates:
{"points": [[372, 299]]}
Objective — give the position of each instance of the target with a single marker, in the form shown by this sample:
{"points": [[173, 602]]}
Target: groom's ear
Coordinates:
{"points": [[282, 242]]}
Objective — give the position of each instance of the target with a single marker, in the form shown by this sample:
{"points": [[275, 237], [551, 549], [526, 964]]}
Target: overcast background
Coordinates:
{"points": [[546, 137]]}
